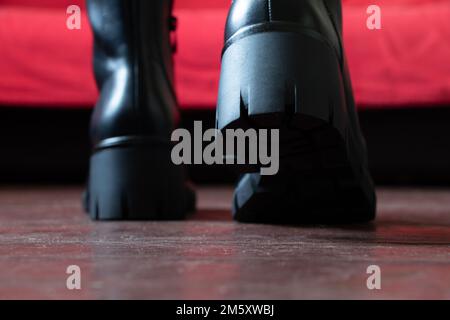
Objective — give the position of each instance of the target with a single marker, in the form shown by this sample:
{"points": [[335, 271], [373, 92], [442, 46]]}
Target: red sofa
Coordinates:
{"points": [[407, 63]]}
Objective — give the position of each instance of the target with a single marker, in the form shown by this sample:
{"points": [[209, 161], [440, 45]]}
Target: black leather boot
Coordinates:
{"points": [[131, 172], [284, 67]]}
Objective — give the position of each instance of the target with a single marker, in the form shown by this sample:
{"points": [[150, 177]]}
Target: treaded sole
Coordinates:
{"points": [[316, 182], [137, 183]]}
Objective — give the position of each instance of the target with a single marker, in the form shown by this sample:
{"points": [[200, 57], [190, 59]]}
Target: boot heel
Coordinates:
{"points": [[293, 81], [137, 183]]}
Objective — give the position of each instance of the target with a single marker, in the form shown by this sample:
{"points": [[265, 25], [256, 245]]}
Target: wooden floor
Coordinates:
{"points": [[43, 230]]}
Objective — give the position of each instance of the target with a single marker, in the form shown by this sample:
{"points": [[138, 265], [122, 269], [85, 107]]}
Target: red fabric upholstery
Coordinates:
{"points": [[42, 63], [43, 4]]}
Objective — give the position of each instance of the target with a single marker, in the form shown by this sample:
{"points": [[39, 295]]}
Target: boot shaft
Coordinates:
{"points": [[133, 67], [135, 29], [321, 16]]}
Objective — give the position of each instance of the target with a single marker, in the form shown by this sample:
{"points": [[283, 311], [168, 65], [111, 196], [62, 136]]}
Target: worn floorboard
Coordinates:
{"points": [[43, 230]]}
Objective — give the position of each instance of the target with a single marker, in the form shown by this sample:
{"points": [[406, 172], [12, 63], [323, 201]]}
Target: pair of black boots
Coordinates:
{"points": [[283, 67]]}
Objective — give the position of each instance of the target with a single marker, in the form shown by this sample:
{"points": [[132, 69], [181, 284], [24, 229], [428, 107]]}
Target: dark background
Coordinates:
{"points": [[406, 146]]}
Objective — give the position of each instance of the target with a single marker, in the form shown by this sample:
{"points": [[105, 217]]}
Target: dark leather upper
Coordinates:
{"points": [[133, 68], [322, 16]]}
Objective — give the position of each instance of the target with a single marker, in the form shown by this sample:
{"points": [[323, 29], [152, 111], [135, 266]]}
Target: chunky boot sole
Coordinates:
{"points": [[137, 182], [292, 81]]}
